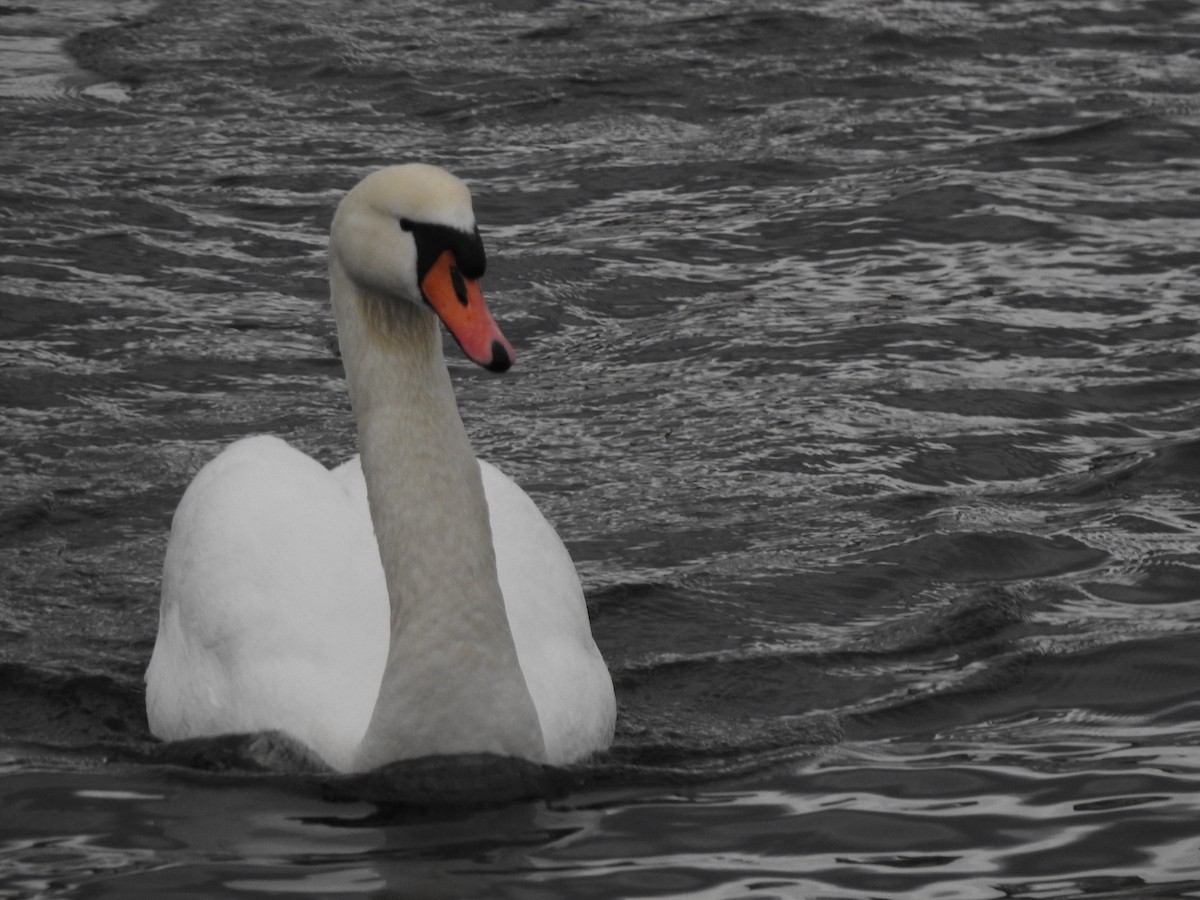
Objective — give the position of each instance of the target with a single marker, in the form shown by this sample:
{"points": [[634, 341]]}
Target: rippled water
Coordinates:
{"points": [[858, 366]]}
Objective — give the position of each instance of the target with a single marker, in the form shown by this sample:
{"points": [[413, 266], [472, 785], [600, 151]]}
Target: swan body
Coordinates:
{"points": [[412, 601]]}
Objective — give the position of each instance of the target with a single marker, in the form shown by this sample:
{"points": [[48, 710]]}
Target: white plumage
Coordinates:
{"points": [[443, 615]]}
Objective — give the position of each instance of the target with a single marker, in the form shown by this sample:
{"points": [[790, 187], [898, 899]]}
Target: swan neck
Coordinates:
{"points": [[452, 682]]}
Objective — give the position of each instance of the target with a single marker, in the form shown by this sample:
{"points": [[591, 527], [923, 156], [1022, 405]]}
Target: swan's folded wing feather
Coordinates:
{"points": [[564, 671], [274, 610]]}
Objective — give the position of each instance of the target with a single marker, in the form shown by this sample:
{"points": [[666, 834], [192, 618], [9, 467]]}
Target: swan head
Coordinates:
{"points": [[407, 235]]}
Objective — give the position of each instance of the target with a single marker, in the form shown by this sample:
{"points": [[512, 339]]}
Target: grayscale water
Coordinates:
{"points": [[858, 367]]}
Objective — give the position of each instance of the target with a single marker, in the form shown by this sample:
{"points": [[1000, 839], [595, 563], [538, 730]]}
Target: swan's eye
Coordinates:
{"points": [[406, 225]]}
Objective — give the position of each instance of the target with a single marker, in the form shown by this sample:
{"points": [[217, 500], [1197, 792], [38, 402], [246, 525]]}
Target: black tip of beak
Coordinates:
{"points": [[501, 361]]}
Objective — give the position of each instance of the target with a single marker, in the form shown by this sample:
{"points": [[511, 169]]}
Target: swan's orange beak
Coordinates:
{"points": [[458, 301]]}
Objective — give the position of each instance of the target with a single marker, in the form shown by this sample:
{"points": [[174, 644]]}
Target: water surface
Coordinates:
{"points": [[858, 367]]}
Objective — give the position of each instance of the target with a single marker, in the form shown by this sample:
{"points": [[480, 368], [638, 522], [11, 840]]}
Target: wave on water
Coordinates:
{"points": [[35, 64], [685, 718]]}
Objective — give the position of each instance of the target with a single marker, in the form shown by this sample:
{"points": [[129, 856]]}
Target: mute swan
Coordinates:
{"points": [[463, 628]]}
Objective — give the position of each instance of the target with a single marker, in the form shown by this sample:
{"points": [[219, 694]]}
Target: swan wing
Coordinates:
{"points": [[274, 610], [566, 676]]}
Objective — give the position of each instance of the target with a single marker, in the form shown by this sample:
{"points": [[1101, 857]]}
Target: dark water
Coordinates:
{"points": [[858, 366]]}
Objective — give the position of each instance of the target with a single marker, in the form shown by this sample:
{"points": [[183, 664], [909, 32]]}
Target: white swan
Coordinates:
{"points": [[463, 628]]}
